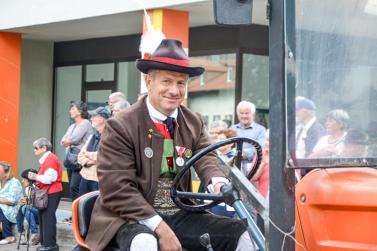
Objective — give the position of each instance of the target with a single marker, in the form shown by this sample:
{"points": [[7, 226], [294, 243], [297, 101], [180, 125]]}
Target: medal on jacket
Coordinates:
{"points": [[148, 152], [188, 153], [179, 160]]}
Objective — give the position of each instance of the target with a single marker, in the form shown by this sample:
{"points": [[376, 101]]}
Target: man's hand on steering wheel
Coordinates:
{"points": [[216, 197], [217, 187]]}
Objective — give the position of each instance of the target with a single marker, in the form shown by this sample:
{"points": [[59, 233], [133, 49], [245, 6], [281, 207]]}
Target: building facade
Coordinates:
{"points": [[52, 53]]}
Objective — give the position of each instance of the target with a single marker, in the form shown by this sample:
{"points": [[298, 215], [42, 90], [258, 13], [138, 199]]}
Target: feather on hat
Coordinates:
{"points": [[163, 54]]}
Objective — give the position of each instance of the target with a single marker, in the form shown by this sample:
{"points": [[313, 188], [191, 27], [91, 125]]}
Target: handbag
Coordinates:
{"points": [[40, 198], [70, 161]]}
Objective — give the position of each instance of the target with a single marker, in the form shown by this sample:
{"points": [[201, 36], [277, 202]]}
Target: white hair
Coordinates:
{"points": [[120, 105], [43, 142], [117, 95], [246, 104], [219, 124]]}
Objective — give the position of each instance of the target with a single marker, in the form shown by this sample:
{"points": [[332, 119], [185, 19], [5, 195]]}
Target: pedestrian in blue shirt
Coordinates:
{"points": [[249, 129]]}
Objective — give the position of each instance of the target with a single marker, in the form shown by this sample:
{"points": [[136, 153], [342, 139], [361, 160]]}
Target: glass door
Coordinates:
{"points": [[100, 80], [96, 98]]}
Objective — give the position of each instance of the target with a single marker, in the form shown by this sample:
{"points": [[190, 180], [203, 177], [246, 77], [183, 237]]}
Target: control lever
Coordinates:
{"points": [[205, 240]]}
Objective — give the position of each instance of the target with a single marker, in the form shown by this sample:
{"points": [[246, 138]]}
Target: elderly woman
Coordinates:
{"points": [[10, 194], [49, 178], [75, 137], [226, 152], [330, 145]]}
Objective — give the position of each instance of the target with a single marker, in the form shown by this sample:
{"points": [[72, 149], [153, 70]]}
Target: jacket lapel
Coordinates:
{"points": [[154, 140]]}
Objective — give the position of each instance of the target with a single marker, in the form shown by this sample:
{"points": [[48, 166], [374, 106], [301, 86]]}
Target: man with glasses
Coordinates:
{"points": [[114, 98]]}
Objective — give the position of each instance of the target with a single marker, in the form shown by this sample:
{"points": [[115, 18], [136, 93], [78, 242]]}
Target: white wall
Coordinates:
{"points": [[22, 13]]}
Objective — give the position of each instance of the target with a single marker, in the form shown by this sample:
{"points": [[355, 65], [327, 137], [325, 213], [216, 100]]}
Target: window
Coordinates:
{"points": [[255, 82], [68, 89], [99, 81], [255, 85], [335, 85], [228, 119], [212, 95], [229, 74], [202, 79], [100, 72], [216, 117], [129, 80]]}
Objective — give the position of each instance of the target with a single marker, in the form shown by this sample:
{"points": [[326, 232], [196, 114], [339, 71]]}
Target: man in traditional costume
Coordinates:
{"points": [[141, 151]]}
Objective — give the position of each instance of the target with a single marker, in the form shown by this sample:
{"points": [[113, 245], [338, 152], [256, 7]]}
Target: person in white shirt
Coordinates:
{"points": [[336, 128], [308, 130]]}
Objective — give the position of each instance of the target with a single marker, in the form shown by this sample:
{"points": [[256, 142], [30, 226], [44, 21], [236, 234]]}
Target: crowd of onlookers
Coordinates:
{"points": [[247, 128], [333, 138], [82, 139], [16, 203]]}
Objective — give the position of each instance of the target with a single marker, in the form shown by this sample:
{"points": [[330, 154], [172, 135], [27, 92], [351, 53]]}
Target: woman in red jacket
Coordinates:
{"points": [[49, 178]]}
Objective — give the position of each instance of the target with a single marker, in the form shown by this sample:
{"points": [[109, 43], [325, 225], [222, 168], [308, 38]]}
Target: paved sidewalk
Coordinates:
{"points": [[64, 232]]}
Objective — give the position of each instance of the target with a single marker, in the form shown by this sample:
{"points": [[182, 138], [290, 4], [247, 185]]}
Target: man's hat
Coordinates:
{"points": [[100, 111], [25, 173], [305, 103], [169, 56]]}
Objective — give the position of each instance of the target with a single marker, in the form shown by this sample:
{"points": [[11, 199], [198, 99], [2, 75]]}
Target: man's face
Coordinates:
{"points": [[245, 116], [39, 151], [213, 133], [300, 115], [166, 90], [112, 101], [97, 121]]}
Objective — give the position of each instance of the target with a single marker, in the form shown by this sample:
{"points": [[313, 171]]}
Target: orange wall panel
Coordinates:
{"points": [[175, 25], [10, 71]]}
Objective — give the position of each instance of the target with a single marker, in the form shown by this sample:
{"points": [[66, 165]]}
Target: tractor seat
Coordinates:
{"points": [[82, 209], [85, 209]]}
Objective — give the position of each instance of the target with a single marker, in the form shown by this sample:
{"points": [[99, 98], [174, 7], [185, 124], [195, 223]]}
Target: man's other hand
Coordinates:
{"points": [[167, 239], [218, 186]]}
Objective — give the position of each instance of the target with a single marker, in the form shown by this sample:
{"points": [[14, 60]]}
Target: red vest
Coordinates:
{"points": [[163, 129], [51, 161]]}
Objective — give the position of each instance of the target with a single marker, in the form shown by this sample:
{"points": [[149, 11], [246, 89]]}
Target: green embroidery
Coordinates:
{"points": [[168, 151]]}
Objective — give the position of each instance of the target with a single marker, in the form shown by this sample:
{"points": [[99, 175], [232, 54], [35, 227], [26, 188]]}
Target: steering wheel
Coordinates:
{"points": [[217, 198]]}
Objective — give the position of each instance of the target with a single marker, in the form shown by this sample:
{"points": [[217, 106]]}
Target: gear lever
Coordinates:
{"points": [[206, 241]]}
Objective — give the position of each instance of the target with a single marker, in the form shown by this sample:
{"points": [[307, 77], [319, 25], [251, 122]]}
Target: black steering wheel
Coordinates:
{"points": [[217, 198]]}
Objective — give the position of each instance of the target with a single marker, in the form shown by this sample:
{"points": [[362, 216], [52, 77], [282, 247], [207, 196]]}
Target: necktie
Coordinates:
{"points": [[169, 122]]}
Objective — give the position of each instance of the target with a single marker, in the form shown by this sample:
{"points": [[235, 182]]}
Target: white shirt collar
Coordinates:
{"points": [[44, 157], [309, 124], [157, 116]]}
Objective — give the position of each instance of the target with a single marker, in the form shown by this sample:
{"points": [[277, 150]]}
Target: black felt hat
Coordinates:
{"points": [[169, 56], [25, 173]]}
